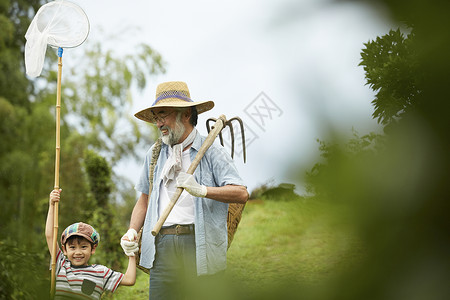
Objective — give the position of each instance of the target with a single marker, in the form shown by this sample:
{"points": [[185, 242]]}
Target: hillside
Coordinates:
{"points": [[298, 243]]}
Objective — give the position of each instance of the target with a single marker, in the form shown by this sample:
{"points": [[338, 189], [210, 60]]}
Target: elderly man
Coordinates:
{"points": [[193, 239]]}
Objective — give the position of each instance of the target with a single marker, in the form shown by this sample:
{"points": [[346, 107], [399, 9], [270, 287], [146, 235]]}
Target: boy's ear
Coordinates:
{"points": [[63, 248], [93, 249]]}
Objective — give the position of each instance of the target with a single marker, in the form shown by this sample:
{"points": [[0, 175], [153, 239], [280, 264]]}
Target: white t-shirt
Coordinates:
{"points": [[183, 211]]}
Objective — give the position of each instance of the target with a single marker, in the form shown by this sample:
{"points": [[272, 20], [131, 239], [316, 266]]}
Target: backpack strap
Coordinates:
{"points": [[155, 155]]}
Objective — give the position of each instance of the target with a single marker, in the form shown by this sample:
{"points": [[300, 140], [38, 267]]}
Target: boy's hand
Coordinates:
{"points": [[54, 196], [129, 242]]}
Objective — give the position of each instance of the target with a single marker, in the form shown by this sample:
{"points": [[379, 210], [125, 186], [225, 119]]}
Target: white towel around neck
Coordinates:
{"points": [[173, 164]]}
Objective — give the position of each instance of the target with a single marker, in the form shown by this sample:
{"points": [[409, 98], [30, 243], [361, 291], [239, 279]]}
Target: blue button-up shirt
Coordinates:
{"points": [[215, 169]]}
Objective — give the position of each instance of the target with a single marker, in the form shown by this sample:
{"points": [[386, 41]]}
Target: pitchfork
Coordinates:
{"points": [[229, 124], [219, 124]]}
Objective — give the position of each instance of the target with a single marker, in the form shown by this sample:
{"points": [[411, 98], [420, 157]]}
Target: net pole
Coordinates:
{"points": [[57, 162]]}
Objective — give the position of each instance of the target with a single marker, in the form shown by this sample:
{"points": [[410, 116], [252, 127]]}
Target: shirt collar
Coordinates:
{"points": [[197, 142]]}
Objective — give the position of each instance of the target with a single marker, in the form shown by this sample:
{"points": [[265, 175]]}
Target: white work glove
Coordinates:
{"points": [[187, 181], [129, 242]]}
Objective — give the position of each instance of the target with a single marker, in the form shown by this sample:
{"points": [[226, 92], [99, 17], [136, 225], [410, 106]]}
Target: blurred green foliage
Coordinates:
{"points": [[324, 178], [18, 270], [396, 185]]}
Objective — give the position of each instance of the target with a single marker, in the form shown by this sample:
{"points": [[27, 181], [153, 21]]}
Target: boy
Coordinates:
{"points": [[74, 276]]}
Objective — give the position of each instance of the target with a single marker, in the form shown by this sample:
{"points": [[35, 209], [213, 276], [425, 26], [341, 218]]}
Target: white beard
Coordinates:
{"points": [[173, 137]]}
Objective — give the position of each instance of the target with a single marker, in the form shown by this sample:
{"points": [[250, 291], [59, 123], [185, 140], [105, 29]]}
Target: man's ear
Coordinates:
{"points": [[186, 116], [93, 249], [188, 112]]}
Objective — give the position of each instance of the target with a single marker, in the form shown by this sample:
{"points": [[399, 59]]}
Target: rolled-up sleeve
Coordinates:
{"points": [[142, 184]]}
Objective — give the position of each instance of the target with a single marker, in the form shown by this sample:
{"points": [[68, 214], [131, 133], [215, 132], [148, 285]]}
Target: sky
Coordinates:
{"points": [[289, 69]]}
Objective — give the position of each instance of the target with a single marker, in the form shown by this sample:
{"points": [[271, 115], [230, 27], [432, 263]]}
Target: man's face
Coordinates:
{"points": [[78, 251], [170, 125]]}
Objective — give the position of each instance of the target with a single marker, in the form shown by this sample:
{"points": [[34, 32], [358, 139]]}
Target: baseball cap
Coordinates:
{"points": [[81, 229]]}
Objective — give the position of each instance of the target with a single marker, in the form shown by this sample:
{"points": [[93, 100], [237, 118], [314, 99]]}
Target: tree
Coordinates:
{"points": [[95, 127], [97, 98], [391, 66], [341, 162], [100, 211], [15, 17], [21, 150]]}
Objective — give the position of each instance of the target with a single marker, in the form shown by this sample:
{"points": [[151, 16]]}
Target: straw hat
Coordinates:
{"points": [[173, 94]]}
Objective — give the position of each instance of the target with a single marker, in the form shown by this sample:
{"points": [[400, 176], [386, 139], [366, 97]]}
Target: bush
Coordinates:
{"points": [[23, 273]]}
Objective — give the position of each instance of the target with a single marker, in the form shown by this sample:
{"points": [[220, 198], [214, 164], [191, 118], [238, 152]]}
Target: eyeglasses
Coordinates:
{"points": [[159, 118]]}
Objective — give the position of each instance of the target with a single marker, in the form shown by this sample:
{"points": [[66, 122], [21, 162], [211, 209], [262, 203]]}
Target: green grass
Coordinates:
{"points": [[138, 291], [300, 242]]}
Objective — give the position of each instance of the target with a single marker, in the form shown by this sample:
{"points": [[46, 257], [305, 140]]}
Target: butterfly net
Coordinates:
{"points": [[59, 24]]}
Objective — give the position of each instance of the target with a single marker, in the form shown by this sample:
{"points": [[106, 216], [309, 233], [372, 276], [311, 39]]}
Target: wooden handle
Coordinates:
{"points": [[54, 249], [56, 186], [218, 126]]}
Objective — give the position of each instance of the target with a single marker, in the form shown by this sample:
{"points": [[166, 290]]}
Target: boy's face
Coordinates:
{"points": [[78, 251]]}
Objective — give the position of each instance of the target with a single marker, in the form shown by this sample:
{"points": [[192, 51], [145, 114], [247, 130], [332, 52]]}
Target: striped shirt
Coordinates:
{"points": [[88, 282]]}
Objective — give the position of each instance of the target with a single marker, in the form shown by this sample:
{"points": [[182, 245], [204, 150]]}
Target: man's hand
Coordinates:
{"points": [[187, 181], [129, 242]]}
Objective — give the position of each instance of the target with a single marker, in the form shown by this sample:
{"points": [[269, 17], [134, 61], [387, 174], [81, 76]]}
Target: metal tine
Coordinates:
{"points": [[229, 124], [207, 123], [244, 150], [241, 124], [208, 127], [221, 138]]}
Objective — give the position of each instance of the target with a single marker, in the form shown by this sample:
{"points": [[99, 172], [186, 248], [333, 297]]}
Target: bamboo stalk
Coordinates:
{"points": [[218, 126], [57, 162]]}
